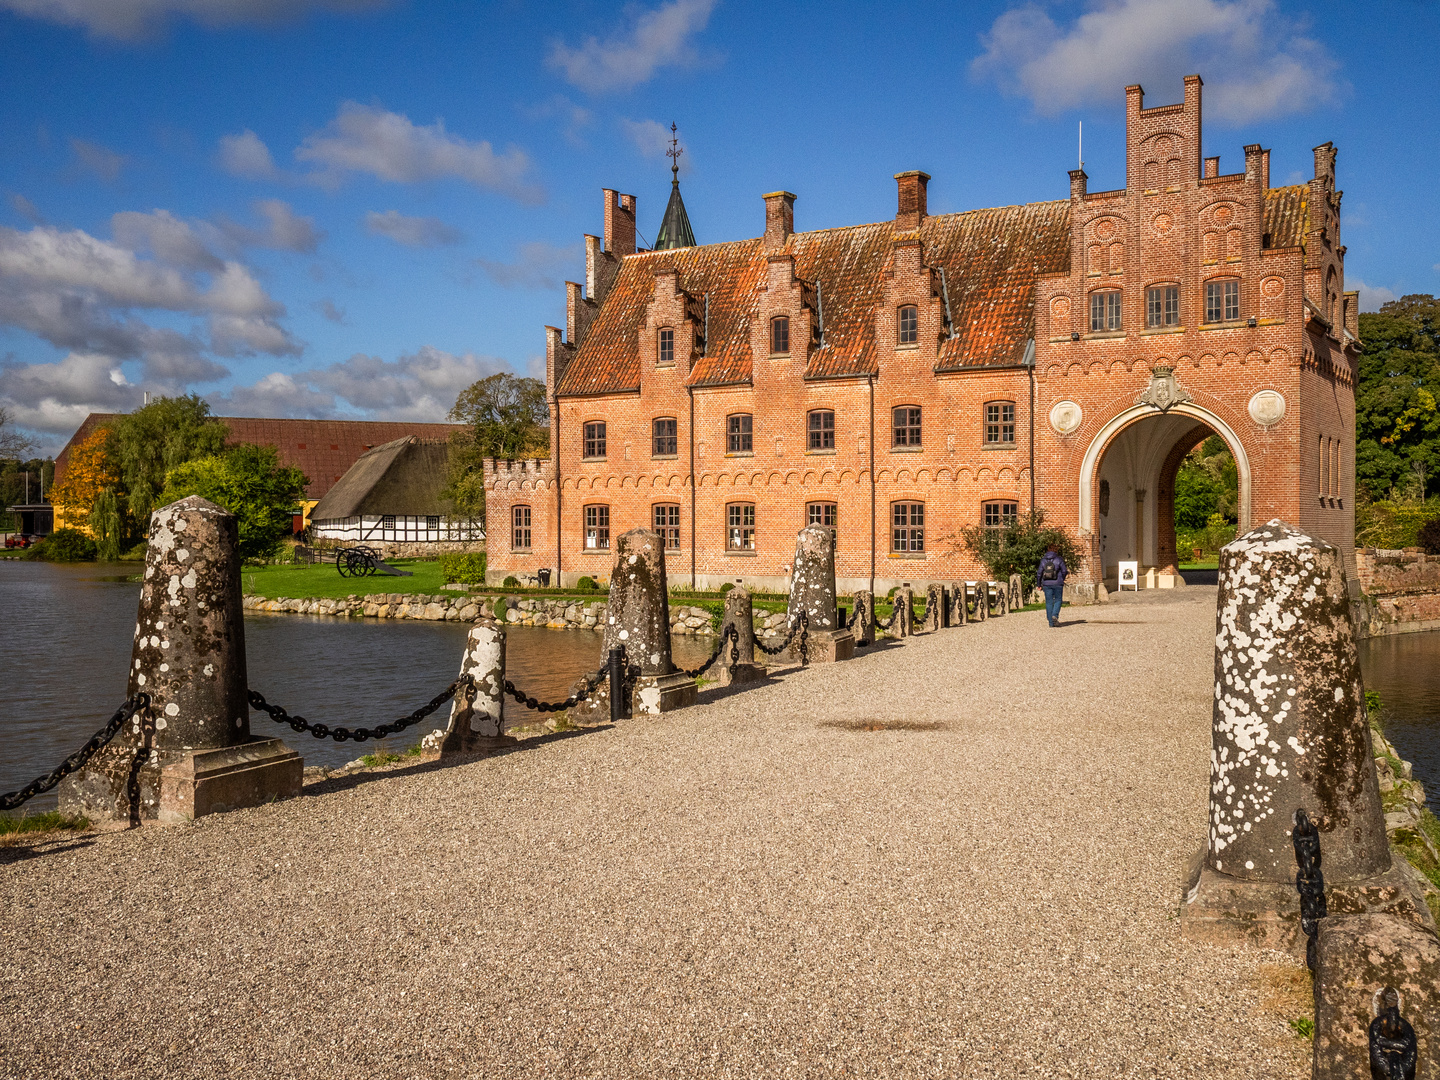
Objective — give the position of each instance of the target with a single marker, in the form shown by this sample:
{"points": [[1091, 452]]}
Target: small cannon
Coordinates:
{"points": [[357, 561]]}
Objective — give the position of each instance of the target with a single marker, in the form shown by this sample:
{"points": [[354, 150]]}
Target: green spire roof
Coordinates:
{"points": [[675, 231]]}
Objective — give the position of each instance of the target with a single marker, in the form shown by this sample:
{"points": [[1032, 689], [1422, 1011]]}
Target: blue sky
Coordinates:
{"points": [[355, 208]]}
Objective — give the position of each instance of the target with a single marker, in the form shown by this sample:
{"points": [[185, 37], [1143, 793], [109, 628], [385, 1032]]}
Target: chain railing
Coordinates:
{"points": [[341, 734], [1309, 881], [800, 626], [592, 680], [731, 635], [1393, 1046], [140, 703]]}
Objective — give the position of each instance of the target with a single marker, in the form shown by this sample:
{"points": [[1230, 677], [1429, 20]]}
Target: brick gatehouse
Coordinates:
{"points": [[902, 379]]}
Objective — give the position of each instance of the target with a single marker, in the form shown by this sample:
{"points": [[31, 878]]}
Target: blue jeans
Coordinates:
{"points": [[1053, 593]]}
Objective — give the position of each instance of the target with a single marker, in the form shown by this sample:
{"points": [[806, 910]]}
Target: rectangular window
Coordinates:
{"points": [[666, 351], [909, 324], [597, 527], [595, 440], [1000, 514], [822, 430], [907, 426], [780, 334], [1104, 311], [1222, 301], [520, 528], [1335, 467], [907, 531], [999, 423], [664, 441], [1162, 307], [387, 521], [822, 514], [740, 526], [667, 524], [1324, 456], [739, 434], [432, 522]]}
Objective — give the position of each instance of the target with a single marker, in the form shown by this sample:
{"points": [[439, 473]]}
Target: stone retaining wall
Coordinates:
{"points": [[1401, 592]]}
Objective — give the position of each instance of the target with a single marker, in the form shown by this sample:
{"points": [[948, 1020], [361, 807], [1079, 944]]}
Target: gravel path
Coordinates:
{"points": [[736, 890]]}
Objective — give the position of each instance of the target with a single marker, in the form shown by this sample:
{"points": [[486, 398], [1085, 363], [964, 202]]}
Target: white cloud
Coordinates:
{"points": [[168, 238], [104, 163], [388, 146], [650, 137], [658, 38], [27, 209], [1255, 63], [284, 229], [245, 155], [55, 397], [1371, 296], [131, 20], [327, 308], [277, 394], [411, 231], [540, 266]]}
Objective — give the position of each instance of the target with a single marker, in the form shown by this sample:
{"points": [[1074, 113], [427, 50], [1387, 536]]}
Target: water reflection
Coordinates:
{"points": [[1405, 671], [67, 642]]}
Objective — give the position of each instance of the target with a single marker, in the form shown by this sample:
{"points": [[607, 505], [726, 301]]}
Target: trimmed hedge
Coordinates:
{"points": [[463, 568]]}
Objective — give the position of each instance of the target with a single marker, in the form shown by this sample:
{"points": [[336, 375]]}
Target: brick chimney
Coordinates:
{"points": [[619, 223], [1078, 183], [1212, 168], [779, 219], [911, 210]]}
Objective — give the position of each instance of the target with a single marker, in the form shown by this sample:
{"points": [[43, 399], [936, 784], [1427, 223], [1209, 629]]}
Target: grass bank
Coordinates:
{"points": [[323, 581]]}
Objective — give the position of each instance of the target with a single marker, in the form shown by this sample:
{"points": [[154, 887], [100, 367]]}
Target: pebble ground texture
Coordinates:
{"points": [[771, 884]]}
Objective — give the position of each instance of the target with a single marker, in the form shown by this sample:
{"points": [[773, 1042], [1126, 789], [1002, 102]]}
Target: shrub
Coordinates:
{"points": [[463, 568], [136, 553], [1428, 537], [726, 587], [63, 545], [586, 582], [1018, 547], [511, 582]]}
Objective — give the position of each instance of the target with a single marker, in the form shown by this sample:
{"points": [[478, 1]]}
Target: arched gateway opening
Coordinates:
{"points": [[1127, 484]]}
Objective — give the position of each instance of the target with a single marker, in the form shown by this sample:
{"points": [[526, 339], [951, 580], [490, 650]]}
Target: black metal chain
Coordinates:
{"points": [[40, 785], [800, 626], [592, 680], [730, 634], [886, 624], [1309, 881], [1393, 1047], [380, 731]]}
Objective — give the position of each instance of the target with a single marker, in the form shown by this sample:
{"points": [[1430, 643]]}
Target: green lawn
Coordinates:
{"points": [[1213, 564], [323, 580]]}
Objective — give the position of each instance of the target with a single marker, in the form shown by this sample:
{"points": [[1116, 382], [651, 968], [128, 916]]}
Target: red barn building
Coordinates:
{"points": [[899, 380]]}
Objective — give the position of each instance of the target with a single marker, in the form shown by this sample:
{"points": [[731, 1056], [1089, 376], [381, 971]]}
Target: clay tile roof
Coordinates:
{"points": [[1287, 215], [991, 260]]}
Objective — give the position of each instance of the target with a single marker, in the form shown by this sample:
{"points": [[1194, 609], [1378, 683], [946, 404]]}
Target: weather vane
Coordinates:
{"points": [[674, 152]]}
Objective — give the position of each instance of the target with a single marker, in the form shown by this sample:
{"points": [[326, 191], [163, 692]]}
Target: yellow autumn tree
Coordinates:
{"points": [[92, 469]]}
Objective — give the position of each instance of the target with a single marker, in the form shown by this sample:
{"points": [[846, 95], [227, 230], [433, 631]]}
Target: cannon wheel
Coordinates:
{"points": [[343, 564]]}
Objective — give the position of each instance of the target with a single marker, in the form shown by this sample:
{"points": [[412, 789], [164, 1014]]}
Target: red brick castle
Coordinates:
{"points": [[899, 380]]}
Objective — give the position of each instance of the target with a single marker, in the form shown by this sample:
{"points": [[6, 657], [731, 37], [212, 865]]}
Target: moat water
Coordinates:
{"points": [[65, 634]]}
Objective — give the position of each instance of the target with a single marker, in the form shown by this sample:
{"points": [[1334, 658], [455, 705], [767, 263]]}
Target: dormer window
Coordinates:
{"points": [[779, 334], [909, 325], [665, 347]]}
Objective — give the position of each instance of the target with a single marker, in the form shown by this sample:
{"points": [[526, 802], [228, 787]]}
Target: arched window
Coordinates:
{"points": [[665, 347], [663, 437], [780, 334], [739, 433], [906, 424], [909, 325], [1104, 311], [999, 423], [1222, 300], [520, 528], [820, 429]]}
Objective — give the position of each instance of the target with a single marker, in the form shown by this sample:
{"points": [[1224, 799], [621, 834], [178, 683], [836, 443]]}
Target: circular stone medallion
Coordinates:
{"points": [[1223, 215], [1267, 408], [1060, 307], [1163, 222], [1066, 417], [1272, 287], [1105, 229]]}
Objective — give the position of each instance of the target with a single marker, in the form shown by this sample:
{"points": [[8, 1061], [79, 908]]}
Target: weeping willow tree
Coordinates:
{"points": [[108, 523]]}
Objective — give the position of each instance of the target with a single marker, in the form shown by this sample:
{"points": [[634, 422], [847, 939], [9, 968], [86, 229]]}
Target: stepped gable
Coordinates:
{"points": [[1287, 215], [991, 259]]}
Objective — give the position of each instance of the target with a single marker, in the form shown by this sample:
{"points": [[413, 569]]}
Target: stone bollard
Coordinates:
{"points": [[902, 624], [475, 714], [812, 591], [958, 615], [739, 613], [189, 655], [935, 607], [1014, 594], [1289, 730], [637, 619], [981, 593], [862, 620], [1000, 597]]}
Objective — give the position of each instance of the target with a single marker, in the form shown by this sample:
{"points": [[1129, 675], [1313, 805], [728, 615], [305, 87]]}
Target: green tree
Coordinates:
{"points": [[1397, 423], [1207, 483], [1018, 547], [152, 441], [250, 482], [504, 417]]}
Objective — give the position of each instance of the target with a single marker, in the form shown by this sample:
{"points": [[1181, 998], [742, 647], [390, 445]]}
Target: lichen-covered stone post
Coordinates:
{"points": [[637, 619], [476, 712], [862, 620], [959, 616], [980, 590], [1000, 597], [1015, 594], [902, 624], [1289, 730], [739, 613], [189, 655], [935, 607], [812, 592]]}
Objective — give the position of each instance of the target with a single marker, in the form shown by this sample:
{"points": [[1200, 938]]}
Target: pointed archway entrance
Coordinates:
{"points": [[1127, 484]]}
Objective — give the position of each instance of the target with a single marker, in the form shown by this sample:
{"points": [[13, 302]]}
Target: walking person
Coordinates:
{"points": [[1050, 576]]}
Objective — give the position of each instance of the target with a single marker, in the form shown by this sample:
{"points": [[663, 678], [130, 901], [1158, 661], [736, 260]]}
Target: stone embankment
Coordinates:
{"points": [[561, 613], [1401, 592]]}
